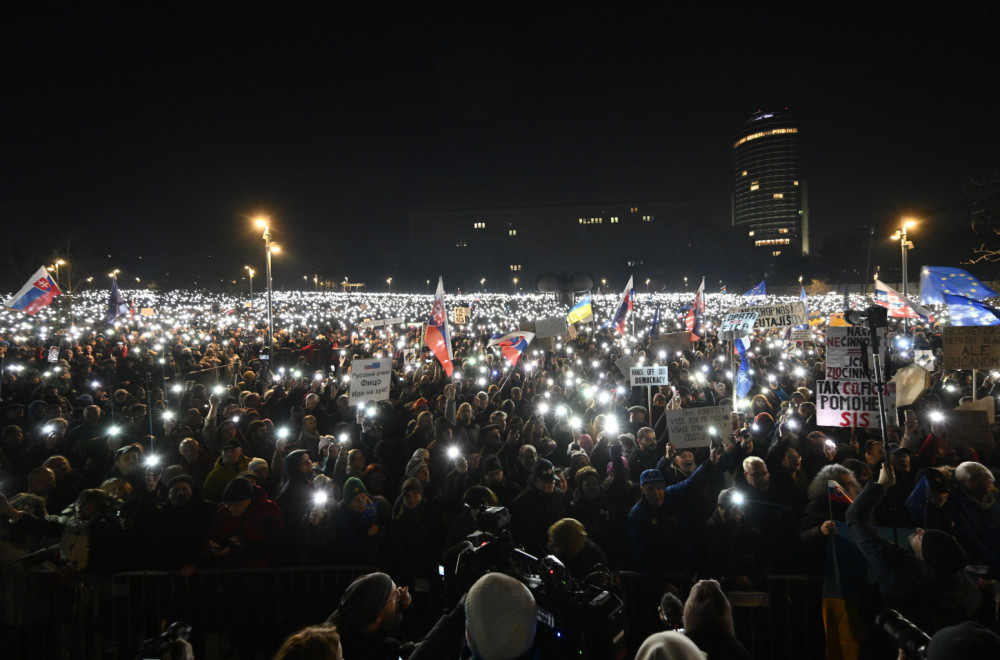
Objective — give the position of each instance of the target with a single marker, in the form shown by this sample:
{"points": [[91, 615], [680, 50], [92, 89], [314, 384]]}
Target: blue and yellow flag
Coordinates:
{"points": [[936, 282], [581, 311], [757, 291]]}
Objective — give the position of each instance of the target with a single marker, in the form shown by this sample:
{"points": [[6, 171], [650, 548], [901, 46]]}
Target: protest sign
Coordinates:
{"points": [[553, 326], [625, 363], [378, 323], [688, 428], [370, 380], [987, 404], [146, 311], [971, 347], [844, 346], [853, 404], [739, 324], [971, 427], [775, 316], [460, 315], [803, 335], [911, 382], [653, 375], [924, 358], [671, 344], [53, 353]]}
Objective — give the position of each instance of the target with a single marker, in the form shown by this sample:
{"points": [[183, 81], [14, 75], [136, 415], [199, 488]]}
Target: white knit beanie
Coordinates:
{"points": [[500, 617]]}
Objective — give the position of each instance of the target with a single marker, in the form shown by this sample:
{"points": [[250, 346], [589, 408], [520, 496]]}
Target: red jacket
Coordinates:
{"points": [[252, 539]]}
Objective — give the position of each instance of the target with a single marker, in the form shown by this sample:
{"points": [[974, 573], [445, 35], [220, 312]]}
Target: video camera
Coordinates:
{"points": [[166, 642], [576, 620], [871, 317], [911, 640]]}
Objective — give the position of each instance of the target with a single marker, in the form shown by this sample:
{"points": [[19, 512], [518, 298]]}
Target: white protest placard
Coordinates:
{"points": [[775, 316], [843, 352], [987, 404], [803, 335], [53, 353], [688, 428], [378, 323], [741, 323], [370, 380], [653, 375], [853, 404], [971, 347], [624, 364], [553, 326], [460, 315], [911, 382], [924, 358]]}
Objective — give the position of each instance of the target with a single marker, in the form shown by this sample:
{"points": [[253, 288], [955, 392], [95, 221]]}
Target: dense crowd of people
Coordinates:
{"points": [[177, 442]]}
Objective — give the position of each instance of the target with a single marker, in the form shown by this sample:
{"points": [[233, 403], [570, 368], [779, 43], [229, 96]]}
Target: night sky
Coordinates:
{"points": [[157, 131]]}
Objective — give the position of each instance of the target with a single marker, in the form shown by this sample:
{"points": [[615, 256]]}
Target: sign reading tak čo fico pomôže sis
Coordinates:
{"points": [[853, 404]]}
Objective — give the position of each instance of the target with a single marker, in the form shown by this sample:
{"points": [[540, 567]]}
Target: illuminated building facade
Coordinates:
{"points": [[769, 196]]}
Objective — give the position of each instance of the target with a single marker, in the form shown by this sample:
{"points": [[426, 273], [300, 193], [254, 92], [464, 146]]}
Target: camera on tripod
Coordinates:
{"points": [[874, 316], [576, 621]]}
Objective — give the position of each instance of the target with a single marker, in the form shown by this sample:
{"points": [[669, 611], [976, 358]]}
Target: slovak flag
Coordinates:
{"points": [[837, 493], [624, 307], [436, 337], [512, 344], [898, 306], [693, 321], [36, 294]]}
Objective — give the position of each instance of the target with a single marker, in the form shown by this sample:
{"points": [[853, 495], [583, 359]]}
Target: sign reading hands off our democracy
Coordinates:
{"points": [[971, 347], [649, 376], [688, 428]]}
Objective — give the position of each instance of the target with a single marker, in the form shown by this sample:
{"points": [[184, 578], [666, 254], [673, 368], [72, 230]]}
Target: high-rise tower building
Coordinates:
{"points": [[769, 197]]}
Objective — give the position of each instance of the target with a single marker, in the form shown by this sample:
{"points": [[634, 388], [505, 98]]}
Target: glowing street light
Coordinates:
{"points": [[264, 224], [250, 271], [515, 285], [904, 246], [388, 283]]}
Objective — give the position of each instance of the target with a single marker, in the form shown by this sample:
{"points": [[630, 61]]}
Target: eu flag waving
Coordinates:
{"points": [[964, 311], [936, 282], [757, 291]]}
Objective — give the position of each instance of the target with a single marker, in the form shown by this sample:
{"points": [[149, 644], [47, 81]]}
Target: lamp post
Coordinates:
{"points": [[904, 246], [685, 284], [388, 283], [515, 285], [263, 224], [250, 272]]}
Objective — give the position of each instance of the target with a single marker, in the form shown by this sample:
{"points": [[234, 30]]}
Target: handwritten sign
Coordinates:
{"points": [[775, 316], [370, 380], [971, 347], [649, 376], [853, 404], [688, 428]]}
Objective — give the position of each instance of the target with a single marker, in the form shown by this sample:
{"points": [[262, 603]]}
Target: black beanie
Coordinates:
{"points": [[943, 552], [237, 490], [363, 601], [968, 641]]}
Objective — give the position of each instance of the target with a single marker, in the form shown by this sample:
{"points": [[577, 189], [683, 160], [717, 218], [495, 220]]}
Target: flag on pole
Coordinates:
{"points": [[36, 294], [744, 381], [837, 493], [964, 311], [898, 306], [436, 336], [116, 302], [758, 291], [693, 321], [512, 344], [722, 289], [582, 311], [623, 308], [654, 327], [936, 282]]}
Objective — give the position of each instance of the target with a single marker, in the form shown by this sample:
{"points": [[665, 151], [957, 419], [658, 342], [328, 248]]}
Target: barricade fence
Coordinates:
{"points": [[248, 613]]}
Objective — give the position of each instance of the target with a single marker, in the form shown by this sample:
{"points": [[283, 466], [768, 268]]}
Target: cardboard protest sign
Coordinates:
{"points": [[671, 344], [460, 315], [624, 364], [803, 335], [986, 404], [652, 375], [553, 326], [971, 347], [775, 316], [739, 324], [843, 352], [689, 428], [370, 380], [972, 427], [148, 311], [853, 404], [924, 358], [911, 382]]}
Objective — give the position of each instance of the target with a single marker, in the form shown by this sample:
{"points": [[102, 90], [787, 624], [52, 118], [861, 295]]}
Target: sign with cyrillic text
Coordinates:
{"points": [[370, 380]]}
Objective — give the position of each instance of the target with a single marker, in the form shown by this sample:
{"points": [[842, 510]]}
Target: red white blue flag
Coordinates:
{"points": [[837, 493], [693, 321], [898, 306], [436, 336], [512, 344], [624, 308], [37, 293]]}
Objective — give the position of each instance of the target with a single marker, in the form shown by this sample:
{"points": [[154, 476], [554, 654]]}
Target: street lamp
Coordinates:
{"points": [[482, 283], [647, 284], [388, 283], [515, 285], [685, 284], [250, 271], [604, 283], [428, 289], [904, 246], [268, 248]]}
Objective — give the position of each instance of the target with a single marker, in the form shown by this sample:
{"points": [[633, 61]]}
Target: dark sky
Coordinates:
{"points": [[155, 131]]}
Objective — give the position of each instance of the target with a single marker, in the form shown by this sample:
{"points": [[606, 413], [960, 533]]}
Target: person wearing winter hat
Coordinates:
{"points": [[968, 640], [247, 528], [708, 622], [534, 510], [368, 618], [927, 586], [492, 637], [495, 478]]}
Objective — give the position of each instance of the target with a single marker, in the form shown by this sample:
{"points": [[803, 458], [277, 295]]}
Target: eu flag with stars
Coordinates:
{"points": [[759, 290], [964, 311], [936, 282]]}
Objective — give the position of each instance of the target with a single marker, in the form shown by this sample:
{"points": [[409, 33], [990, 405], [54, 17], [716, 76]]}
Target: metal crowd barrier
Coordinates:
{"points": [[248, 613]]}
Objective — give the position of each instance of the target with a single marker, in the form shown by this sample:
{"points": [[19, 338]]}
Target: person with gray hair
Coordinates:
{"points": [[977, 514], [822, 514]]}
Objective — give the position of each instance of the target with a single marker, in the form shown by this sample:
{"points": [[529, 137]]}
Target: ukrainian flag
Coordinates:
{"points": [[582, 311]]}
